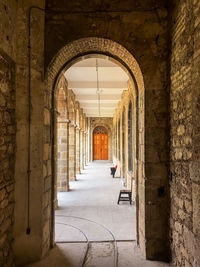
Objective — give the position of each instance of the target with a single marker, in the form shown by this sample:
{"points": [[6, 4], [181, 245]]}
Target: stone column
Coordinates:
{"points": [[86, 151], [77, 150], [84, 138], [72, 174], [81, 150], [62, 156], [75, 160]]}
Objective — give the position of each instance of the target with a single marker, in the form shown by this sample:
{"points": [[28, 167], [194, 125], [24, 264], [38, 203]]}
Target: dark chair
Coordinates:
{"points": [[126, 194], [113, 170]]}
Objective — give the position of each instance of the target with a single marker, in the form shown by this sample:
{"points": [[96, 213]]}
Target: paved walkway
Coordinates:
{"points": [[89, 219], [93, 202]]}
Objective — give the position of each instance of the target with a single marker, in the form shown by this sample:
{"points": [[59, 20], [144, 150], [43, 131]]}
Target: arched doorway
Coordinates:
{"points": [[100, 143], [114, 52]]}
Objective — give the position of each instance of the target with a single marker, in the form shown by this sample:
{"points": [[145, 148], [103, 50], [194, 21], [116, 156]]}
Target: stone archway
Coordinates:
{"points": [[72, 53]]}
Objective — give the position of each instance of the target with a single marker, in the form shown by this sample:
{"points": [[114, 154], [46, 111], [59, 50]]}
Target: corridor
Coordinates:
{"points": [[86, 85], [94, 196], [88, 220]]}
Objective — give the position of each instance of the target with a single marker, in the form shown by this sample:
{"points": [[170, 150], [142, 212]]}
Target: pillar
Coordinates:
{"points": [[85, 148], [62, 156], [72, 174], [86, 151], [81, 150], [77, 150]]}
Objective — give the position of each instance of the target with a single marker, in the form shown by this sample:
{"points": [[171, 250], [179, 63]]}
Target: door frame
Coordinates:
{"points": [[93, 140]]}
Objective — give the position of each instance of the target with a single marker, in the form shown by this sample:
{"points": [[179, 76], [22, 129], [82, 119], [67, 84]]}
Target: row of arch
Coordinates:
{"points": [[124, 128], [110, 50], [71, 152]]}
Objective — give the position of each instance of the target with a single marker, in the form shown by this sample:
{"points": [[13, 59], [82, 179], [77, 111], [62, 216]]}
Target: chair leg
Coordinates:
{"points": [[118, 198]]}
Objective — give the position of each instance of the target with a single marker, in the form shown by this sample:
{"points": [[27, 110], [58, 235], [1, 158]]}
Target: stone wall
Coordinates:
{"points": [[32, 225], [8, 10], [7, 158], [185, 133], [62, 138], [139, 29]]}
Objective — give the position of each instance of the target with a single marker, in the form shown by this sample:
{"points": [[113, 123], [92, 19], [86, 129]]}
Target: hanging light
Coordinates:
{"points": [[98, 90]]}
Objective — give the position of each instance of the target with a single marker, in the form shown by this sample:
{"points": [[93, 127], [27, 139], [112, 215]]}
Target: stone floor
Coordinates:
{"points": [[91, 229]]}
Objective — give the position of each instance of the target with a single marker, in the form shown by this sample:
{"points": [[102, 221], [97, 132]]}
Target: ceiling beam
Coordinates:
{"points": [[91, 84], [94, 105], [95, 97]]}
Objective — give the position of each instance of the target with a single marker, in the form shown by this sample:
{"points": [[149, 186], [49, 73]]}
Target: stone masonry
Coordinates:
{"points": [[7, 159], [185, 134]]}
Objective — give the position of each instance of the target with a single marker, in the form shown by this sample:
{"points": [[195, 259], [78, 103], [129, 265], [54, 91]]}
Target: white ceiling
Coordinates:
{"points": [[82, 79]]}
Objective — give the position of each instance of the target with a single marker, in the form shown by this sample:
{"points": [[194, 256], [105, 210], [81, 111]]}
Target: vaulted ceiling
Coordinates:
{"points": [[112, 80]]}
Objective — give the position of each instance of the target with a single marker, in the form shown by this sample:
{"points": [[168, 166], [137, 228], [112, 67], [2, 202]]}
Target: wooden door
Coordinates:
{"points": [[100, 143]]}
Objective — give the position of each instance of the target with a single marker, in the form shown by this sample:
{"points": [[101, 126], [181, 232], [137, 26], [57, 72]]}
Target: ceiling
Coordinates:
{"points": [[82, 79]]}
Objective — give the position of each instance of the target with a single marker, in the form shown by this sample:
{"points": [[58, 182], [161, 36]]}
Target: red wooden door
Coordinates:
{"points": [[100, 143]]}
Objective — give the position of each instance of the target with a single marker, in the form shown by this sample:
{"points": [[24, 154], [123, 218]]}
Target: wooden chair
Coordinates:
{"points": [[126, 194]]}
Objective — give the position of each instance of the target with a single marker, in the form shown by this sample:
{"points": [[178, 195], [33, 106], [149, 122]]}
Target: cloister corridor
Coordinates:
{"points": [[90, 208], [89, 85]]}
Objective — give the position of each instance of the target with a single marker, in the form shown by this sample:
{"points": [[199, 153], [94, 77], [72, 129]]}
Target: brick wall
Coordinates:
{"points": [[185, 133]]}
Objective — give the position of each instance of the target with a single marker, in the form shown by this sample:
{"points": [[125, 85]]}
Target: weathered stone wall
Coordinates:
{"points": [[8, 10], [7, 158], [185, 133], [31, 245]]}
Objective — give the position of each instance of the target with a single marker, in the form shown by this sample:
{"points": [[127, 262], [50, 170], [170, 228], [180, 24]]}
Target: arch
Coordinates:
{"points": [[71, 53], [80, 49], [100, 129], [61, 99], [61, 139]]}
